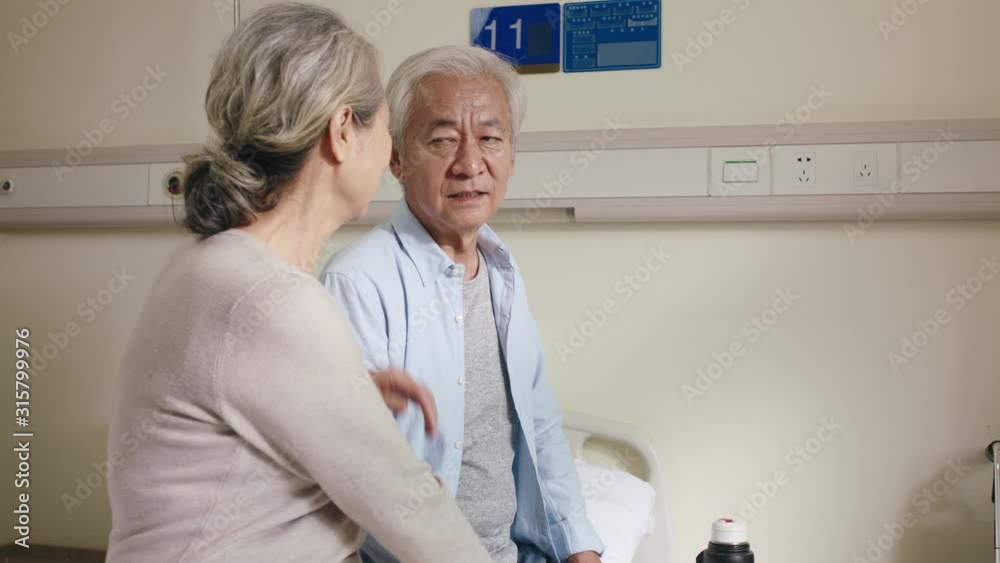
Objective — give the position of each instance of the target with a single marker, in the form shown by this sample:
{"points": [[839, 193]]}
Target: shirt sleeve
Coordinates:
{"points": [[364, 310], [294, 386]]}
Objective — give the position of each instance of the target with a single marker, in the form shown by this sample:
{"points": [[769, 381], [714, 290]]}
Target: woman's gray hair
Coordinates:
{"points": [[453, 61], [276, 82]]}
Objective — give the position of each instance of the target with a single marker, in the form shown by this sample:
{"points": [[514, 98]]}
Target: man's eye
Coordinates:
{"points": [[440, 141], [492, 139]]}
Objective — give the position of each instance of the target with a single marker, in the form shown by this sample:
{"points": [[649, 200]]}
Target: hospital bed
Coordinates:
{"points": [[623, 485]]}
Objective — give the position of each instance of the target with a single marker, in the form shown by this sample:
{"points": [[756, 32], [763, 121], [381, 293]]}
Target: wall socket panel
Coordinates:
{"points": [[804, 174], [833, 169], [865, 168], [159, 174]]}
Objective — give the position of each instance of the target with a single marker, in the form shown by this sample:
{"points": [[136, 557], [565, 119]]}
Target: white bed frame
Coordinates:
{"points": [[580, 428]]}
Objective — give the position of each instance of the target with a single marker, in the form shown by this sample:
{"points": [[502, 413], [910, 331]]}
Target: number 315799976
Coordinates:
{"points": [[22, 395]]}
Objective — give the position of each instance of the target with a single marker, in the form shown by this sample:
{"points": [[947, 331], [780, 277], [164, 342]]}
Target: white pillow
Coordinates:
{"points": [[620, 506]]}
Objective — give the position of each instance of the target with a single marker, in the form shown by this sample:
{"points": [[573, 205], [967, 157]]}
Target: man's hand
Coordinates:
{"points": [[398, 389], [584, 557]]}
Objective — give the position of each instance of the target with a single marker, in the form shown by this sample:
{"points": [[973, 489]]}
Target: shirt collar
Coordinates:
{"points": [[431, 262]]}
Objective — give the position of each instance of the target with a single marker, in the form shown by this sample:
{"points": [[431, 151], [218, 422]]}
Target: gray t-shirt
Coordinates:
{"points": [[486, 493]]}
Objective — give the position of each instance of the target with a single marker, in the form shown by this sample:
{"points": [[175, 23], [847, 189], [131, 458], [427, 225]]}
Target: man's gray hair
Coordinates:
{"points": [[453, 61]]}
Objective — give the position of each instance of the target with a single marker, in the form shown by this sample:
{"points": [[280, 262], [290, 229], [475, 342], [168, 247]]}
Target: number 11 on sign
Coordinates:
{"points": [[527, 35], [492, 27]]}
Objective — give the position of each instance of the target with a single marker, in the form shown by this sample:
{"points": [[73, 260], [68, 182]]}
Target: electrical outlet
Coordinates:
{"points": [[173, 184], [805, 170], [865, 168]]}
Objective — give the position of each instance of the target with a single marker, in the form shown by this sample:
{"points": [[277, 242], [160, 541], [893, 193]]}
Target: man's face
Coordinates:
{"points": [[457, 154]]}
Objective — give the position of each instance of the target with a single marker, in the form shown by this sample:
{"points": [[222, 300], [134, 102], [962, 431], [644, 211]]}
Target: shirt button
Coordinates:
{"points": [[458, 445], [461, 381], [458, 318]]}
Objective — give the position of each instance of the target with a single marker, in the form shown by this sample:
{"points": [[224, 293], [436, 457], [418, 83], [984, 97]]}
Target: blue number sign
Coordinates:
{"points": [[527, 35]]}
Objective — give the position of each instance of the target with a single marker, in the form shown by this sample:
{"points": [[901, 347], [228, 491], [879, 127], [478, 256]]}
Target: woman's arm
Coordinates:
{"points": [[297, 388]]}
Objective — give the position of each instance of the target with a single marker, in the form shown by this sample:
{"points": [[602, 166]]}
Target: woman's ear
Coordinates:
{"points": [[341, 132]]}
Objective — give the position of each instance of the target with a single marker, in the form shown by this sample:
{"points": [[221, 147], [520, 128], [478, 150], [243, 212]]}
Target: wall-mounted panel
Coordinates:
{"points": [[950, 166], [610, 173], [118, 185]]}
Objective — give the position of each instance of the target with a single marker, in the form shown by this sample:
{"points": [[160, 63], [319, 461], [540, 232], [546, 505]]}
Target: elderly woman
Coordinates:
{"points": [[264, 436]]}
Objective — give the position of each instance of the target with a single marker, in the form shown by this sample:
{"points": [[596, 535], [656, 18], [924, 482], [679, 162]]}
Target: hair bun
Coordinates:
{"points": [[218, 190]]}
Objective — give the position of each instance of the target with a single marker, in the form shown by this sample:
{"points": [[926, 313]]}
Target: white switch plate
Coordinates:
{"points": [[739, 171], [745, 183]]}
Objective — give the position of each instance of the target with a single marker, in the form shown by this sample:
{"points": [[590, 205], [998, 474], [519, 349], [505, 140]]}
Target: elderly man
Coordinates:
{"points": [[435, 292]]}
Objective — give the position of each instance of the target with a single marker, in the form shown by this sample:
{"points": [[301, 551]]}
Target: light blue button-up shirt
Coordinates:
{"points": [[403, 295]]}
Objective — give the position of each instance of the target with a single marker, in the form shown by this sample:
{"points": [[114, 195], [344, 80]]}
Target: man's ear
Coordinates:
{"points": [[396, 165], [341, 133]]}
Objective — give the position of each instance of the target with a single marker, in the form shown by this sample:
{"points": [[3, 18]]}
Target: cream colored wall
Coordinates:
{"points": [[73, 72], [762, 66], [759, 69], [824, 358]]}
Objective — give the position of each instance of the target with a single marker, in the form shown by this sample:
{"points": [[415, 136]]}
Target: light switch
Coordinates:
{"points": [[739, 171]]}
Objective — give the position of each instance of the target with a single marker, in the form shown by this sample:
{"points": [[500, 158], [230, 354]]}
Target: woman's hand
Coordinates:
{"points": [[585, 557], [398, 389]]}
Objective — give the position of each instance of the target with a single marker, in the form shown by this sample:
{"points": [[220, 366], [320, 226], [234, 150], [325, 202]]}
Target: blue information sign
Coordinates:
{"points": [[527, 35], [616, 35]]}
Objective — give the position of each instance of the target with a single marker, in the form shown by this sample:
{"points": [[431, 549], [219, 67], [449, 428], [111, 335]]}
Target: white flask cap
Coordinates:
{"points": [[729, 531]]}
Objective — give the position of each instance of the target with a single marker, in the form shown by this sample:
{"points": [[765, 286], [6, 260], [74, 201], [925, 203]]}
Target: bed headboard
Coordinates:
{"points": [[583, 428], [580, 428]]}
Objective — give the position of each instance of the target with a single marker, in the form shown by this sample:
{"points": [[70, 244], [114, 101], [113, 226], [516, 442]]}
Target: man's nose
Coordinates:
{"points": [[468, 159]]}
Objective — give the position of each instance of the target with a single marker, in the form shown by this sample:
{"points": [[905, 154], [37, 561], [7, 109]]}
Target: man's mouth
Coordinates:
{"points": [[467, 196]]}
